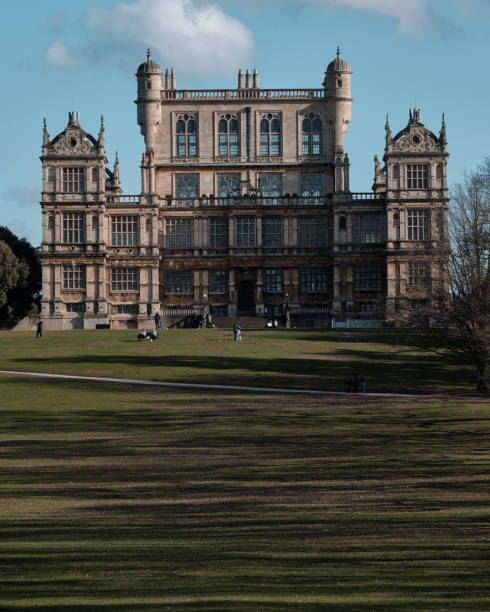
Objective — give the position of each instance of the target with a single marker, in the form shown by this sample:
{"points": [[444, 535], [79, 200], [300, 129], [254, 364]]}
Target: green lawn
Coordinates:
{"points": [[313, 359], [118, 498], [125, 498]]}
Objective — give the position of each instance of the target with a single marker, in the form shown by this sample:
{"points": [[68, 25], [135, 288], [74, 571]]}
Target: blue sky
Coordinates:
{"points": [[433, 54]]}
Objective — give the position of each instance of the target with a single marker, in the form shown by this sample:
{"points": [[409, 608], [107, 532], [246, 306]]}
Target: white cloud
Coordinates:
{"points": [[414, 17], [189, 35], [58, 55]]}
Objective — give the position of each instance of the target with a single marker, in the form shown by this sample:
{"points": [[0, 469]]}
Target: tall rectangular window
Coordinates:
{"points": [[124, 279], [271, 232], [313, 281], [270, 186], [270, 135], [73, 228], [124, 231], [228, 131], [218, 233], [367, 229], [186, 129], [228, 185], [417, 176], [312, 185], [186, 186], [178, 233], [367, 277], [313, 231], [312, 135], [218, 281], [417, 224], [418, 275], [245, 231], [272, 281], [74, 277], [72, 180], [178, 281]]}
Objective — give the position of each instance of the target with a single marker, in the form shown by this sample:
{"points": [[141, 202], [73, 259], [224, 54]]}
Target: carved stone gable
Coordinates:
{"points": [[74, 141]]}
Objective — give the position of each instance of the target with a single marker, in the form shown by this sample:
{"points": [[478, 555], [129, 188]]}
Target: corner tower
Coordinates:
{"points": [[414, 185], [149, 78], [337, 85]]}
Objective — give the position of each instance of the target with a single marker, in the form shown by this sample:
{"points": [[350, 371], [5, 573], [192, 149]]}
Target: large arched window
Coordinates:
{"points": [[228, 136], [312, 135], [270, 135], [186, 136]]}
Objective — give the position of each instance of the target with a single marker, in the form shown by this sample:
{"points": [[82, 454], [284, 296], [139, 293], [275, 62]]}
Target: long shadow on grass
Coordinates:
{"points": [[400, 372]]}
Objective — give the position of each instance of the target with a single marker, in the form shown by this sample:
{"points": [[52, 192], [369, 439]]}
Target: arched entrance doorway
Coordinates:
{"points": [[246, 297]]}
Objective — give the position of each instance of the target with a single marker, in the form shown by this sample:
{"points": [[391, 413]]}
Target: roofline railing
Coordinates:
{"points": [[243, 94], [245, 200]]}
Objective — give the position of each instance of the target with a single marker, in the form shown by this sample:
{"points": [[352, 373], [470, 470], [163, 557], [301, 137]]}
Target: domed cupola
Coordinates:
{"points": [[337, 78], [338, 64], [148, 67]]}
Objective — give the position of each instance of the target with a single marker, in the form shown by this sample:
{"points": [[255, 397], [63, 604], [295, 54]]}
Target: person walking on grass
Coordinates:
{"points": [[362, 384], [39, 330], [237, 332]]}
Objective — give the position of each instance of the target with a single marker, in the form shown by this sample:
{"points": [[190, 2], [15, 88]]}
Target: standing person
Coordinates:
{"points": [[362, 384], [39, 330], [158, 320], [209, 320], [237, 332]]}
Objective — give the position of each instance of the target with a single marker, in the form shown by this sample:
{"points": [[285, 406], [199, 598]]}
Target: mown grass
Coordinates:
{"points": [[313, 359], [121, 498]]}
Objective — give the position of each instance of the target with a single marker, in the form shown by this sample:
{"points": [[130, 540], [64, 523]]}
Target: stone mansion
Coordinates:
{"points": [[245, 208]]}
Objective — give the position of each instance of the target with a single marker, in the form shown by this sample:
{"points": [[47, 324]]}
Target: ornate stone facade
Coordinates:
{"points": [[245, 207]]}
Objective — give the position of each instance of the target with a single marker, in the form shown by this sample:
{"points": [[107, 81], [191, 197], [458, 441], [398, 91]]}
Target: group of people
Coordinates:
{"points": [[209, 321], [356, 384], [144, 335]]}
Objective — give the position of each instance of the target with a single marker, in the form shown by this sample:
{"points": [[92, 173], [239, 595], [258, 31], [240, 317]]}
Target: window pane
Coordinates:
{"points": [[367, 277], [271, 233], [312, 185], [178, 281], [186, 186], [178, 233], [313, 281], [313, 231], [270, 185], [218, 233], [367, 228], [245, 232], [228, 185]]}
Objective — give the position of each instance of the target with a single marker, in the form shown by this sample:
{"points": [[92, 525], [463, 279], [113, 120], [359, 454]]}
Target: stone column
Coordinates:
{"points": [[89, 290], [258, 221], [231, 231], [205, 234], [58, 229], [336, 304], [294, 234], [155, 293], [102, 292], [196, 286], [142, 233], [231, 293], [259, 298]]}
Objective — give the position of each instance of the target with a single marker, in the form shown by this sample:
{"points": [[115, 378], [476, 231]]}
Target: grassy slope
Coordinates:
{"points": [[293, 358], [121, 499]]}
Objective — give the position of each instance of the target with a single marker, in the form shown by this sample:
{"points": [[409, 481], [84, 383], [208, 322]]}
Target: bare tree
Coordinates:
{"points": [[456, 317]]}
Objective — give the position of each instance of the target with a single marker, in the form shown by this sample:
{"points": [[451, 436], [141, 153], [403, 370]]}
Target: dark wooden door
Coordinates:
{"points": [[246, 299]]}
